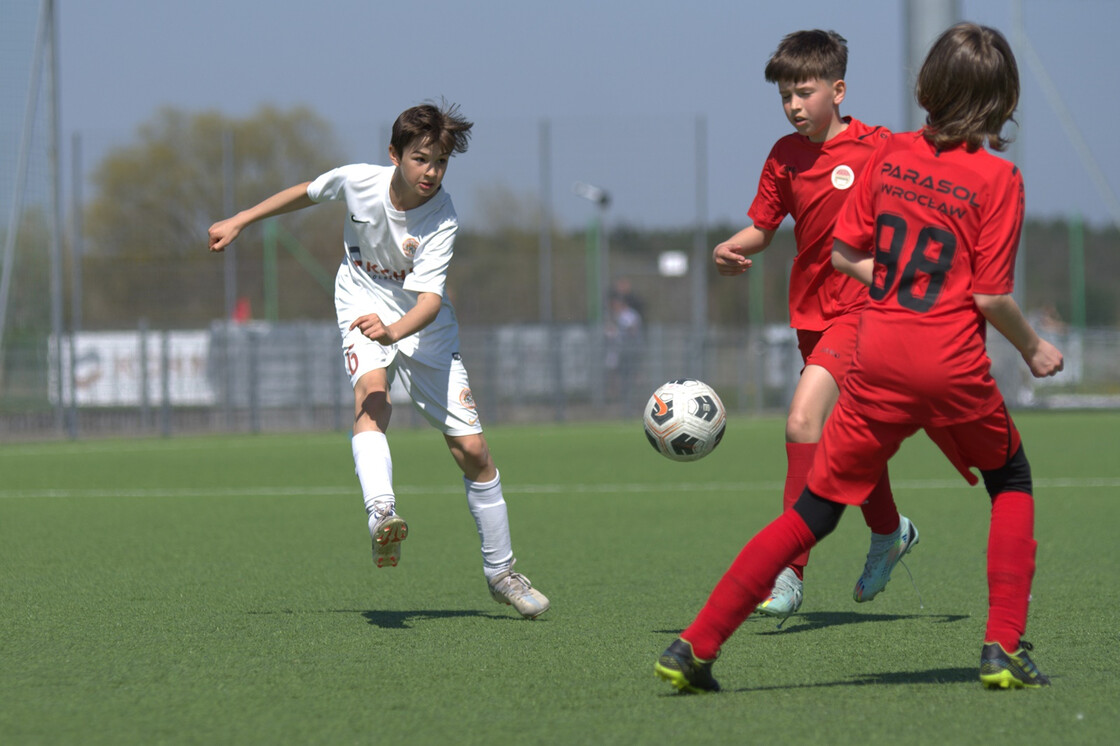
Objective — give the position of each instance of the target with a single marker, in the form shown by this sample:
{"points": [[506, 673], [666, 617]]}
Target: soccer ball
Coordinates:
{"points": [[685, 419]]}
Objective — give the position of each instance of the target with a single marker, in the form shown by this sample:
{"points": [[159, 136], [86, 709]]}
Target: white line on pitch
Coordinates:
{"points": [[514, 489]]}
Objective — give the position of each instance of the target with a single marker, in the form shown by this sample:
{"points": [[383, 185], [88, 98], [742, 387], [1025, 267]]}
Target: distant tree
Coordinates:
{"points": [[146, 224], [158, 196]]}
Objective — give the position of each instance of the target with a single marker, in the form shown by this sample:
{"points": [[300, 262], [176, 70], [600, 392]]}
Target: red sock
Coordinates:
{"points": [[747, 582], [799, 457], [1011, 553], [879, 510]]}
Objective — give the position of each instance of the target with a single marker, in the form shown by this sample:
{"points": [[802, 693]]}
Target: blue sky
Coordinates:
{"points": [[622, 85]]}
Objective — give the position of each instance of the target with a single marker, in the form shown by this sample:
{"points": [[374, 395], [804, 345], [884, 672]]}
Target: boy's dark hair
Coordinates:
{"points": [[808, 55], [428, 123], [969, 84]]}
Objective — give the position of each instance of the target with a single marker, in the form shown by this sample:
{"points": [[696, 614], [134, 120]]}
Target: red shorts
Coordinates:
{"points": [[854, 450], [831, 349]]}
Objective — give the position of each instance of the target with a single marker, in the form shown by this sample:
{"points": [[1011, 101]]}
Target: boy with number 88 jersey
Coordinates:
{"points": [[397, 324]]}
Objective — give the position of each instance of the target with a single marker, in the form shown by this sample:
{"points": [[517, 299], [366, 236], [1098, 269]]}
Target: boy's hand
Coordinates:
{"points": [[222, 234], [1045, 360], [370, 325], [730, 259]]}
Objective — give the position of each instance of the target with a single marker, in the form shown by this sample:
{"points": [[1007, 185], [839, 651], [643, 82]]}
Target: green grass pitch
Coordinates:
{"points": [[220, 590]]}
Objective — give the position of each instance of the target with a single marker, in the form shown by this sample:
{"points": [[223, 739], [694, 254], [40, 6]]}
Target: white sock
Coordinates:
{"points": [[374, 466], [488, 506]]}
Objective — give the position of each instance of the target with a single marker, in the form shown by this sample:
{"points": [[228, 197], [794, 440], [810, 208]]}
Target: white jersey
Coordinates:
{"points": [[391, 255]]}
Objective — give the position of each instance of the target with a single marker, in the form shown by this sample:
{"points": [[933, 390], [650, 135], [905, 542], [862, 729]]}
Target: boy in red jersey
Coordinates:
{"points": [[808, 175], [932, 229]]}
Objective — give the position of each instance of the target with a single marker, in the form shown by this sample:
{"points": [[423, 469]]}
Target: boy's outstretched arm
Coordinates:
{"points": [[1002, 312], [731, 255], [223, 232], [853, 262]]}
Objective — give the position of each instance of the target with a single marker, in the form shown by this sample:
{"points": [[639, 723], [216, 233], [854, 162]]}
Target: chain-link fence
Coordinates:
{"points": [[261, 377]]}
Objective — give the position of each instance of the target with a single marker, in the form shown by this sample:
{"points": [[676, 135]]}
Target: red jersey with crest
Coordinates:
{"points": [[811, 181], [942, 226]]}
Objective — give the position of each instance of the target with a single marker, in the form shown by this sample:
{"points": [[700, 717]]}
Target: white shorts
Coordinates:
{"points": [[441, 393]]}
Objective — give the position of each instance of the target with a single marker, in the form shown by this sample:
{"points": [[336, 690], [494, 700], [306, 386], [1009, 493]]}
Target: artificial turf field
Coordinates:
{"points": [[220, 590]]}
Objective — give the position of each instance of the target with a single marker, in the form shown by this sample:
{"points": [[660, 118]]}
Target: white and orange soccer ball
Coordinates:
{"points": [[685, 419]]}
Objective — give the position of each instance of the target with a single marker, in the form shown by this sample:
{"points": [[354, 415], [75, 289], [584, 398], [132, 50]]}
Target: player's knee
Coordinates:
{"points": [[472, 454], [819, 514], [802, 428], [477, 461], [1014, 476], [373, 403]]}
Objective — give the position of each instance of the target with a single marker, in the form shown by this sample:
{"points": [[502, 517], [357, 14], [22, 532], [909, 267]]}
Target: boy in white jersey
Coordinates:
{"points": [[397, 323]]}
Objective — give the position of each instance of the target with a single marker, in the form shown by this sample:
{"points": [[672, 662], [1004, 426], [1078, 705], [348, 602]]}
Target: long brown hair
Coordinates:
{"points": [[969, 85]]}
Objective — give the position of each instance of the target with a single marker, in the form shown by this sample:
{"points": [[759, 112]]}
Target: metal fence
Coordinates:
{"points": [[259, 377]]}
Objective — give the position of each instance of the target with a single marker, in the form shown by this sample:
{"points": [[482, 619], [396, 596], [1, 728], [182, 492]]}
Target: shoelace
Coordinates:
{"points": [[1025, 660], [514, 581], [520, 581], [921, 604], [382, 509], [784, 585], [879, 550]]}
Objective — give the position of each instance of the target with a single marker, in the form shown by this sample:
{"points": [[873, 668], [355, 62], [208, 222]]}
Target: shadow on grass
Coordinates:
{"points": [[891, 678], [819, 619], [401, 619], [808, 621], [934, 676]]}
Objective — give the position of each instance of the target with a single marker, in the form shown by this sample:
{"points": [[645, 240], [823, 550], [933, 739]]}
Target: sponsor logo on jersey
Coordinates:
{"points": [[373, 270], [924, 190], [410, 246], [843, 177], [924, 181]]}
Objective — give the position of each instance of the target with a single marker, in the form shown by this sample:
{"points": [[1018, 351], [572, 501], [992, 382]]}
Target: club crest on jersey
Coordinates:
{"points": [[843, 177], [410, 246], [466, 398]]}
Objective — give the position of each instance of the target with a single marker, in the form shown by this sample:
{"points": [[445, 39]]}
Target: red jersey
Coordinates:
{"points": [[810, 181], [942, 226]]}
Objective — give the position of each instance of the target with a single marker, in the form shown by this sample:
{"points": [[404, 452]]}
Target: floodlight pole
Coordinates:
{"points": [[229, 275], [700, 249], [924, 20], [544, 275], [54, 157], [600, 263]]}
